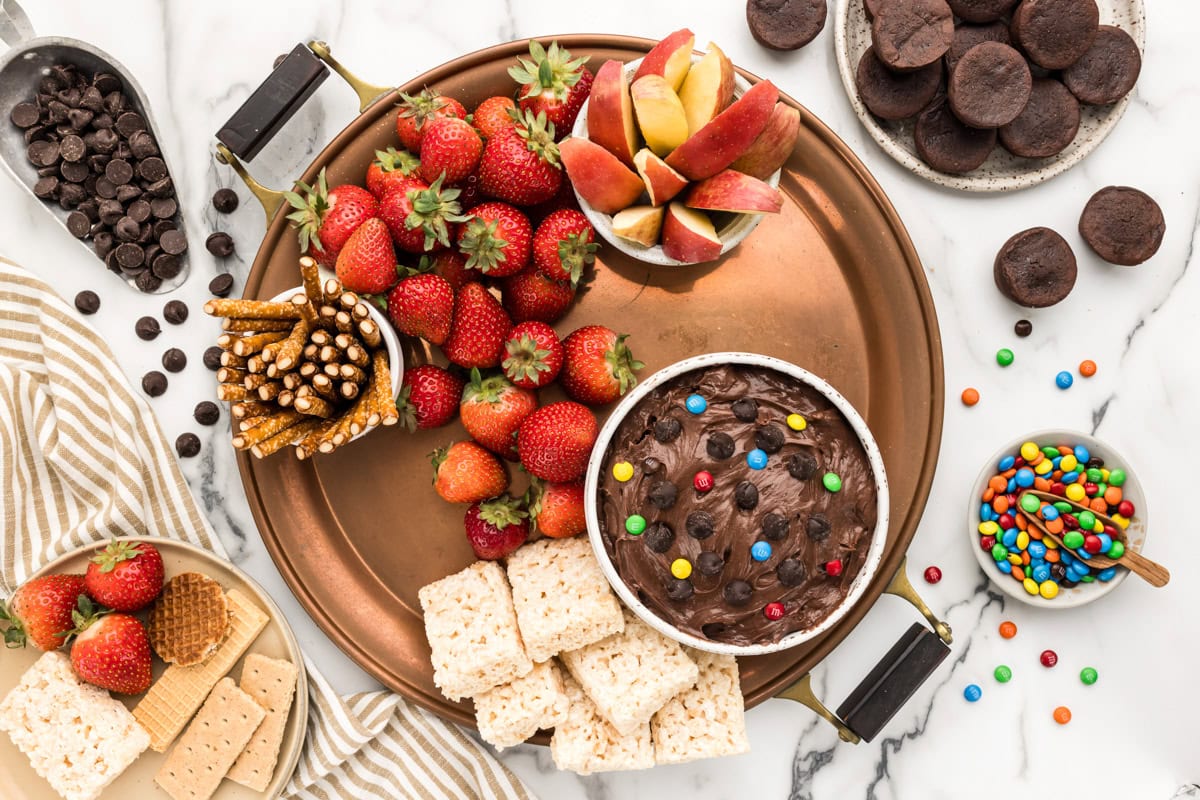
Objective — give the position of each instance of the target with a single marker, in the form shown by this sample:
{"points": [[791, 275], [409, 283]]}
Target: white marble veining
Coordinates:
{"points": [[1134, 734]]}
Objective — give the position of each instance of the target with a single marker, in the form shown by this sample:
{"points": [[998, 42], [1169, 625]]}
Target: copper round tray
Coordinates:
{"points": [[832, 284]]}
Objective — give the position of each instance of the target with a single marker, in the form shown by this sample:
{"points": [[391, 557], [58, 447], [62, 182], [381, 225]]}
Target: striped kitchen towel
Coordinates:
{"points": [[82, 459]]}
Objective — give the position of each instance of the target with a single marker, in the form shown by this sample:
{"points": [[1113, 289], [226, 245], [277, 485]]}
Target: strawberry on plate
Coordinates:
{"points": [[450, 149], [496, 239], [492, 409], [520, 164], [555, 441], [530, 295], [493, 115], [533, 355], [367, 262], [390, 169], [113, 652], [416, 111], [496, 528], [40, 611], [553, 84], [420, 217], [466, 473], [429, 397], [557, 508], [125, 576], [479, 328], [325, 218], [563, 245], [599, 366], [451, 265], [422, 305]]}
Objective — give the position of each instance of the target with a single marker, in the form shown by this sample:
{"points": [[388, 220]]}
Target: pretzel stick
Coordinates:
{"points": [[255, 380], [249, 345], [272, 371], [250, 309], [228, 359], [332, 290], [349, 390], [321, 337], [328, 353], [226, 341], [231, 375], [255, 364], [314, 406], [231, 392], [323, 386], [369, 332], [360, 311], [309, 353], [349, 372], [308, 312], [310, 277], [337, 436], [282, 439], [285, 398], [305, 390], [308, 445], [326, 315], [348, 300], [343, 341], [308, 369], [382, 378], [288, 352], [292, 380], [357, 356], [343, 321], [271, 426], [333, 370], [269, 391], [238, 325], [250, 408]]}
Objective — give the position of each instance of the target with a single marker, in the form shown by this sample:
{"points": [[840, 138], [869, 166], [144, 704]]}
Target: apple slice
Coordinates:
{"points": [[688, 235], [729, 190], [660, 115], [639, 224], [662, 182], [719, 143], [599, 176], [671, 58], [610, 113], [707, 89], [774, 145]]}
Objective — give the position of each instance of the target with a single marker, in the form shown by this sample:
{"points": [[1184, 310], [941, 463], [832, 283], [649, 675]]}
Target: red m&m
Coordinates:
{"points": [[703, 481], [773, 611]]}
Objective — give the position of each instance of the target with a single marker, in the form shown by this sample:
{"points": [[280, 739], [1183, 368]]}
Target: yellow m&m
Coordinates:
{"points": [[796, 422], [681, 568], [622, 471]]}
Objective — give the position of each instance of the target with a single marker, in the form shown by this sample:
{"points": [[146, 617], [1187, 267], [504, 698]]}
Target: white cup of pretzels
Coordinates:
{"points": [[313, 368]]}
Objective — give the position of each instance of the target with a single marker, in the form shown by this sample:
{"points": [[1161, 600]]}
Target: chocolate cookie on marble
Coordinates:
{"points": [[785, 24], [1107, 71], [1035, 268], [990, 85], [1046, 126], [895, 95], [910, 34], [1123, 225], [946, 144], [1055, 33], [967, 36], [980, 10]]}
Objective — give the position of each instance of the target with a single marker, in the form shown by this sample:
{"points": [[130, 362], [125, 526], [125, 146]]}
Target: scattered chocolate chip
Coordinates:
{"points": [[78, 224], [225, 200], [709, 563], [650, 464], [745, 409], [72, 148], [207, 412], [659, 537], [46, 188], [161, 188], [790, 572], [130, 123], [174, 360], [147, 328], [143, 146], [187, 445], [720, 445], [118, 171], [163, 208], [770, 438], [667, 430], [700, 525], [746, 495], [147, 281], [212, 358], [680, 589], [175, 312], [173, 242], [154, 383], [220, 244], [737, 593], [662, 495], [775, 527], [130, 256], [24, 115], [87, 302], [152, 168], [1023, 328], [801, 466], [127, 229], [139, 211], [166, 266], [818, 527]]}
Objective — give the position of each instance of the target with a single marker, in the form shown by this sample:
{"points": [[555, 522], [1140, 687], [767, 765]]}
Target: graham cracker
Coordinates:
{"points": [[706, 721], [272, 684], [174, 698], [206, 751]]}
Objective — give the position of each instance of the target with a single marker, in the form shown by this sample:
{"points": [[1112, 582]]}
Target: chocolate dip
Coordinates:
{"points": [[821, 526]]}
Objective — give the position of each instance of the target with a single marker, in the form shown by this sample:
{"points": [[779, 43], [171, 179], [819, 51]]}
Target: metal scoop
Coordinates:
{"points": [[21, 69]]}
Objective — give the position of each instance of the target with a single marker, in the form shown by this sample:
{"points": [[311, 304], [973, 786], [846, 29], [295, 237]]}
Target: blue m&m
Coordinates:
{"points": [[760, 551], [695, 404], [756, 459]]}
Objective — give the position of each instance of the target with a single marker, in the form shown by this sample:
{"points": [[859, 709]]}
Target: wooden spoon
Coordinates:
{"points": [[1151, 571]]}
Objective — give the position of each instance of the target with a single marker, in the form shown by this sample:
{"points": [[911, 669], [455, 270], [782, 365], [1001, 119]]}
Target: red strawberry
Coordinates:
{"points": [[497, 528], [112, 652], [492, 409], [563, 198], [557, 508], [563, 245], [451, 265], [450, 147], [326, 217], [479, 328], [556, 441], [534, 355], [520, 164], [493, 115], [125, 576], [40, 611], [367, 263], [421, 305], [391, 168], [470, 195], [419, 218], [429, 397], [530, 295], [416, 111], [599, 366], [466, 473], [554, 84], [496, 239]]}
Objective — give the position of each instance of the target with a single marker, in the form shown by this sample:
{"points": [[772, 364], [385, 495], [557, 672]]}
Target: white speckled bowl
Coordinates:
{"points": [[1082, 593], [592, 486], [1002, 172], [731, 234]]}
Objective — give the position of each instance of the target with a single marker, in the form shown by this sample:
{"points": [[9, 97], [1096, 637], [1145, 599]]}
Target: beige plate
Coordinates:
{"points": [[1002, 172], [276, 641]]}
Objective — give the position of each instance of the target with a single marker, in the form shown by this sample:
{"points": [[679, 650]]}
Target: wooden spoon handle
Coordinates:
{"points": [[1151, 571]]}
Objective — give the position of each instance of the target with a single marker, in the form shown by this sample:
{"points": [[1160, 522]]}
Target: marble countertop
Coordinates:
{"points": [[1133, 733]]}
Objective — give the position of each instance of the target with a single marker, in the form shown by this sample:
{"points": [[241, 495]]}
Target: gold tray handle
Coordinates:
{"points": [[801, 691], [367, 93], [902, 587], [270, 199]]}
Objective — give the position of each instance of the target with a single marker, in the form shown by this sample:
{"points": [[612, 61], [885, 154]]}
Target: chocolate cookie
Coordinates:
{"points": [[1046, 126], [785, 24], [911, 34], [990, 86], [1108, 70], [980, 10], [1035, 268], [946, 144], [967, 36], [1055, 33], [1123, 225], [895, 95]]}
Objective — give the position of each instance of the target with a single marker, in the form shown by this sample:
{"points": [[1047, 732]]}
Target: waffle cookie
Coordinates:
{"points": [[189, 620]]}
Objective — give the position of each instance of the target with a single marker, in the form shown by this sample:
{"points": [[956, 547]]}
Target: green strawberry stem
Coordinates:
{"points": [[552, 69], [437, 458], [525, 359], [420, 106], [538, 134], [393, 160], [502, 512], [484, 250], [432, 209], [116, 552], [84, 615], [310, 211], [575, 252], [486, 390], [622, 363]]}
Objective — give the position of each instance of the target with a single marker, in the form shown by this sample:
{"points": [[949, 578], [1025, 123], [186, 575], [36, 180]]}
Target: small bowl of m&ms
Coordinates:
{"points": [[1093, 482]]}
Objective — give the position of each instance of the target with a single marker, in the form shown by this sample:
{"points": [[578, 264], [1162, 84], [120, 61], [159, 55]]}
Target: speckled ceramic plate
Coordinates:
{"points": [[1002, 172]]}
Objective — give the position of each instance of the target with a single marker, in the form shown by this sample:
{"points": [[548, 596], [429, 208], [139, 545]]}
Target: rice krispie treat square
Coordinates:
{"points": [[562, 599], [632, 674], [472, 631], [706, 721], [510, 714], [584, 743]]}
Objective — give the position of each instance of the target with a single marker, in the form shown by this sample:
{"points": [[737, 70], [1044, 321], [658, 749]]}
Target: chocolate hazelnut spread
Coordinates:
{"points": [[806, 525]]}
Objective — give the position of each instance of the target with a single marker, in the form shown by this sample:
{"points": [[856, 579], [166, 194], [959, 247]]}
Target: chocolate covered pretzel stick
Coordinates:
{"points": [[250, 309]]}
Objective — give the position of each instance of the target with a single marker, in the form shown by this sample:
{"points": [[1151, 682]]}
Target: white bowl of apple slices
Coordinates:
{"points": [[675, 158]]}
